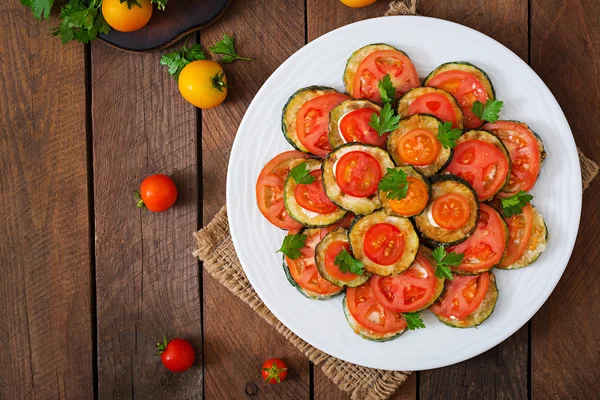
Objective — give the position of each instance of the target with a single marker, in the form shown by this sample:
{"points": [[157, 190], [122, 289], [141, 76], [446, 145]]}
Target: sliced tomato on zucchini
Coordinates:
{"points": [[467, 84], [481, 159], [349, 122], [269, 189], [526, 152], [467, 301], [369, 64], [305, 120], [433, 101], [413, 290], [416, 199], [327, 251], [368, 318], [302, 272], [485, 247]]}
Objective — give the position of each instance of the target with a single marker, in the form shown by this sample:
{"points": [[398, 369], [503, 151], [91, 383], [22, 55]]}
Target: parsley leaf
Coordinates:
{"points": [[414, 321], [301, 174], [448, 136], [176, 60], [387, 90], [292, 244], [444, 260], [160, 4], [386, 121], [39, 7], [514, 204], [81, 20], [347, 263], [226, 47], [488, 112], [395, 184]]}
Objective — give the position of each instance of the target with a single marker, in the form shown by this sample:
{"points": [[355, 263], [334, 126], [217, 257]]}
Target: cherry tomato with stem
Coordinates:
{"points": [[274, 371], [177, 355], [157, 192]]}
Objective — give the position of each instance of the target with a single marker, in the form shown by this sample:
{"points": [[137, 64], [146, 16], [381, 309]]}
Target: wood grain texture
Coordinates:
{"points": [[500, 373], [237, 340], [565, 39], [147, 278], [46, 350]]}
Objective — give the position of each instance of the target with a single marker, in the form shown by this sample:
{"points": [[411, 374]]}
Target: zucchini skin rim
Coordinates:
{"points": [[307, 293], [485, 75], [352, 321]]}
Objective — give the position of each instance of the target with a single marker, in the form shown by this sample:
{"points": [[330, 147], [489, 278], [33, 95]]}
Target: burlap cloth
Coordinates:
{"points": [[215, 249]]}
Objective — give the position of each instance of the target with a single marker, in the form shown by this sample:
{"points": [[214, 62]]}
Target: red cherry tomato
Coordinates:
{"points": [[358, 173], [274, 371], [355, 127], [312, 196], [177, 355], [462, 296], [158, 193], [435, 104], [451, 211], [384, 244]]}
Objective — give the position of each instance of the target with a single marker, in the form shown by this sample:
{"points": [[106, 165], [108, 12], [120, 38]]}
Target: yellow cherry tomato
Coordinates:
{"points": [[358, 3], [203, 83], [127, 16]]}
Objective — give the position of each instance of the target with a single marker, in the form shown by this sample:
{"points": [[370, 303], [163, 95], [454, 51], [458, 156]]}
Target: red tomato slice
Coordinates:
{"points": [[410, 291], [312, 122], [519, 232], [466, 89], [450, 211], [269, 188], [384, 244], [481, 164], [354, 127], [415, 201], [304, 269], [331, 252], [462, 296], [312, 196], [418, 147], [367, 311], [434, 104], [379, 64], [484, 248], [358, 173], [524, 151]]}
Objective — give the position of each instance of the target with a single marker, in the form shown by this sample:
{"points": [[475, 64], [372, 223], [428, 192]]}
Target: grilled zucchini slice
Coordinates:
{"points": [[332, 238], [426, 93], [466, 67], [536, 244], [335, 116], [396, 207]]}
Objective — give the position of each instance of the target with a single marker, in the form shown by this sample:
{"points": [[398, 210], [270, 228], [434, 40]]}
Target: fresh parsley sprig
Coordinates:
{"points": [[227, 49], [80, 20], [387, 91], [349, 264], [292, 244], [514, 204], [160, 4], [448, 136], [394, 183], [488, 112], [40, 8], [301, 174], [386, 121], [413, 320], [176, 60], [444, 260]]}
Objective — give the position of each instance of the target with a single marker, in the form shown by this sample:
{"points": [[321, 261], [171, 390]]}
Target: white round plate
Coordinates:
{"points": [[429, 42]]}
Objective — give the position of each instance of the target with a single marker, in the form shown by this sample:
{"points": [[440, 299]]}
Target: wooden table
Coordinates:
{"points": [[89, 283]]}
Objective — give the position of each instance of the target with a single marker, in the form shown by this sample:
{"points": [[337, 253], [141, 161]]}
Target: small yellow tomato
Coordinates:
{"points": [[358, 3], [203, 83], [127, 16]]}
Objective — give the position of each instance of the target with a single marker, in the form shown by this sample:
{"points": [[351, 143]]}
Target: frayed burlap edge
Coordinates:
{"points": [[215, 249]]}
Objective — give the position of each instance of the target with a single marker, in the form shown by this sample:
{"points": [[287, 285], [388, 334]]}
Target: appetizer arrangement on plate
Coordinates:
{"points": [[403, 194]]}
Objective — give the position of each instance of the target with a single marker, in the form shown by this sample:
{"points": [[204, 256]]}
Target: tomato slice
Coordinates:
{"points": [[358, 173], [312, 196], [367, 311], [435, 104], [378, 64], [304, 269], [484, 248], [415, 201], [466, 89], [450, 211], [383, 244], [519, 232], [418, 147], [269, 188], [354, 127], [463, 295], [410, 291], [524, 151], [331, 252], [481, 164], [312, 122]]}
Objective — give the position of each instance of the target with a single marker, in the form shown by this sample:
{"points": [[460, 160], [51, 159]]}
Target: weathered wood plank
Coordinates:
{"points": [[45, 290], [237, 341], [147, 279], [565, 53]]}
